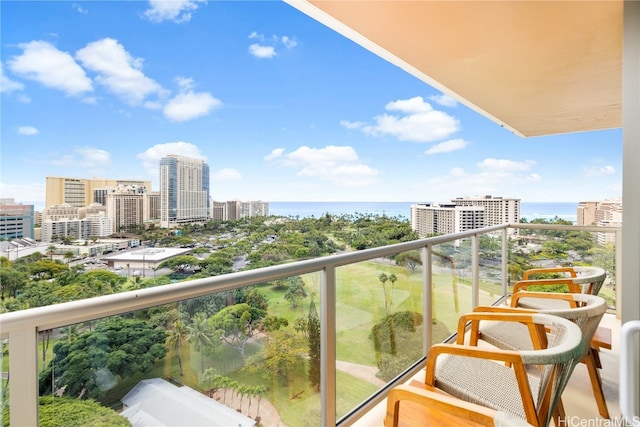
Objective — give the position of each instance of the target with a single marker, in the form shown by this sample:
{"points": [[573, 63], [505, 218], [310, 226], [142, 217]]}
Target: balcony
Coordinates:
{"points": [[439, 278]]}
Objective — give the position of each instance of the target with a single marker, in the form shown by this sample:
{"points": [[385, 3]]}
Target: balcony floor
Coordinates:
{"points": [[578, 398]]}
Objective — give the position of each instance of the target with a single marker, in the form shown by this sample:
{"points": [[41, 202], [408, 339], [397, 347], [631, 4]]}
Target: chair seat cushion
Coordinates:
{"points": [[474, 380]]}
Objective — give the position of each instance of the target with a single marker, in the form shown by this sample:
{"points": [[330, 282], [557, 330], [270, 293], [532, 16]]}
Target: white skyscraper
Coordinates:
{"points": [[184, 190]]}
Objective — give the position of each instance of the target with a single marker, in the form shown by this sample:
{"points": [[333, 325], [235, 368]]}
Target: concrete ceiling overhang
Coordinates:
{"points": [[534, 67]]}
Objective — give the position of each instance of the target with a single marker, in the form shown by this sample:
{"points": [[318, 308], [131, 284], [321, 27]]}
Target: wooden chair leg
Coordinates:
{"points": [[559, 416], [596, 383]]}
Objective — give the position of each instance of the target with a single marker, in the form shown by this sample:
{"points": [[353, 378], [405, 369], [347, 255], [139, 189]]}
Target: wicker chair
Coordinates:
{"points": [[584, 310], [469, 372]]}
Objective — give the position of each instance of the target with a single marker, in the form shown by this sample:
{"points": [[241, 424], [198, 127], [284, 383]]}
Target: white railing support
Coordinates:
{"points": [[475, 271], [630, 371], [328, 346], [505, 262], [23, 394], [427, 299]]}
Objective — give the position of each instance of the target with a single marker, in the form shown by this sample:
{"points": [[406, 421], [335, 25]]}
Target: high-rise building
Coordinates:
{"points": [[217, 210], [433, 218], [184, 190], [236, 209], [497, 210], [16, 220], [125, 210], [152, 206], [253, 209], [72, 228], [79, 192], [603, 213]]}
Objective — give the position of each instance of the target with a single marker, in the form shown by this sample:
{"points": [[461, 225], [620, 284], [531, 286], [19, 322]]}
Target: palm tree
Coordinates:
{"points": [[392, 280], [210, 376], [51, 249], [68, 255], [200, 335], [178, 335], [383, 278], [242, 391], [261, 391]]}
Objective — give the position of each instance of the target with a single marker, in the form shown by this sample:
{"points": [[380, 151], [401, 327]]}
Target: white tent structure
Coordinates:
{"points": [[156, 402]]}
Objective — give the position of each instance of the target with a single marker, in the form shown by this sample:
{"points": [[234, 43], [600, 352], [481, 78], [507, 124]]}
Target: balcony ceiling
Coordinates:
{"points": [[534, 67]]}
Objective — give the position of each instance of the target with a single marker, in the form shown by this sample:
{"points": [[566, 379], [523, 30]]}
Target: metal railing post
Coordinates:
{"points": [[23, 367], [475, 271], [427, 299], [505, 262], [328, 346]]}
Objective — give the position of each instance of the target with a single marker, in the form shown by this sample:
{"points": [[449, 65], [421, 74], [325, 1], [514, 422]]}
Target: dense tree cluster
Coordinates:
{"points": [[87, 365]]}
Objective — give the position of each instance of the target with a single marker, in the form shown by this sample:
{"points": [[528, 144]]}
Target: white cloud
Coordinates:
{"points": [[447, 146], [276, 153], [42, 62], [493, 176], [177, 11], [6, 84], [352, 125], [599, 171], [266, 48], [28, 130], [504, 165], [190, 105], [79, 8], [288, 42], [340, 165], [417, 122], [444, 100], [118, 71], [261, 51], [185, 83], [84, 157], [410, 106], [226, 174], [151, 157]]}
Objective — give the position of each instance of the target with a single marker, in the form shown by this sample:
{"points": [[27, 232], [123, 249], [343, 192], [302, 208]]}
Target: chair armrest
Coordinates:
{"points": [[523, 285], [495, 309], [436, 408], [549, 270], [537, 332], [516, 296]]}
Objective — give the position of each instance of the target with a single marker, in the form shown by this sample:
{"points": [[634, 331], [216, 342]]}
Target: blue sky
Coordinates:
{"points": [[281, 107]]}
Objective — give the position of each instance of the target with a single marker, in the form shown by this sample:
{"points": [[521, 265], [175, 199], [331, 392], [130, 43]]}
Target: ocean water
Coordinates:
{"points": [[528, 210]]}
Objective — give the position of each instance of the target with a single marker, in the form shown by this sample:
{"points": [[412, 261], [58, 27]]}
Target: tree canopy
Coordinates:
{"points": [[89, 365]]}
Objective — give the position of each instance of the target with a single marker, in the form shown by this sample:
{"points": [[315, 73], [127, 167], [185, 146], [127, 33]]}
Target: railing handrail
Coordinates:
{"points": [[590, 228], [63, 314]]}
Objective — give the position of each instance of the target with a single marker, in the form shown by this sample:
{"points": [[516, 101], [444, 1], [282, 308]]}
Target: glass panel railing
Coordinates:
{"points": [[236, 356], [452, 290], [367, 293]]}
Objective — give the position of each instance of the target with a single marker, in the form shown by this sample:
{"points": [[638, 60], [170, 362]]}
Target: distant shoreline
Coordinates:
{"points": [[528, 210]]}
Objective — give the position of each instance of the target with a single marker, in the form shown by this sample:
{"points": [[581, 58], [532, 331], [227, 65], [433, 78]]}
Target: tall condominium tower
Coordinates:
{"points": [[184, 190]]}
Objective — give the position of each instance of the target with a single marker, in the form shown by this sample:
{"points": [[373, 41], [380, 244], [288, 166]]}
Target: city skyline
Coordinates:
{"points": [[279, 106]]}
